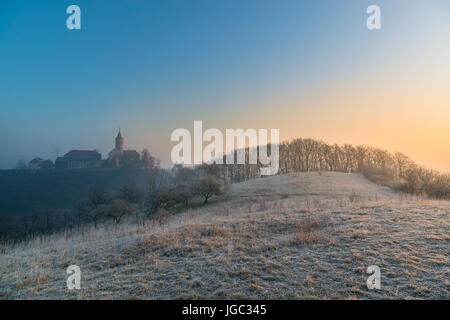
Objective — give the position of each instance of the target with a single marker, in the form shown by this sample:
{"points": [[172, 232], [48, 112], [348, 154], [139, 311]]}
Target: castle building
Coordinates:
{"points": [[119, 142], [79, 159], [118, 157], [89, 159], [39, 164]]}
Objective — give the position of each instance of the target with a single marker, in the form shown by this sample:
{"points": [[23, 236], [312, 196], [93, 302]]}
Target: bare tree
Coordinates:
{"points": [[119, 209], [131, 193], [208, 186], [97, 199], [97, 196]]}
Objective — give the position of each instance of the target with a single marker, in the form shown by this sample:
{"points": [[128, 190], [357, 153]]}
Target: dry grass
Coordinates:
{"points": [[310, 229], [260, 244]]}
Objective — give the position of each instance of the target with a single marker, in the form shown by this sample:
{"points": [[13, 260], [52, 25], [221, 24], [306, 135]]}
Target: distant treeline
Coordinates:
{"points": [[392, 169]]}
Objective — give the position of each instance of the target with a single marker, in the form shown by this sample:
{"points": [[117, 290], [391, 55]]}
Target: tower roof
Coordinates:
{"points": [[119, 135]]}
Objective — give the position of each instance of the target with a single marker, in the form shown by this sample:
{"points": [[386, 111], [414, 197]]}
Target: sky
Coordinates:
{"points": [[308, 68]]}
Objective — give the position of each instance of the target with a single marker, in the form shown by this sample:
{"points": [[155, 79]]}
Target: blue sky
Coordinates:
{"points": [[153, 66]]}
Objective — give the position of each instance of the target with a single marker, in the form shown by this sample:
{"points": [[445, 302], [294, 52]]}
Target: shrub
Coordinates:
{"points": [[353, 196], [307, 230], [183, 193], [207, 187], [383, 176], [131, 193], [119, 209], [162, 216], [160, 198]]}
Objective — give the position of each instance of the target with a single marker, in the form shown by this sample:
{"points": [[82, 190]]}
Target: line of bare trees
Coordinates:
{"points": [[178, 187], [300, 155], [99, 205]]}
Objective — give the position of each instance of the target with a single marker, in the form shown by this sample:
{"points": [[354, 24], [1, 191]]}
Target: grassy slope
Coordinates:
{"points": [[306, 235]]}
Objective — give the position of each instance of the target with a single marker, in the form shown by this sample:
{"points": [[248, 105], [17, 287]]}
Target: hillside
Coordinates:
{"points": [[57, 189], [295, 236]]}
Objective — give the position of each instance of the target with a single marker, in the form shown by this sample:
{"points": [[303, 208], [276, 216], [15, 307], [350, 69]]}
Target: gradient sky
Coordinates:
{"points": [[309, 68]]}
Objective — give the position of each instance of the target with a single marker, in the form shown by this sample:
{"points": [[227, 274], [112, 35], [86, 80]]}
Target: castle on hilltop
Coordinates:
{"points": [[117, 158]]}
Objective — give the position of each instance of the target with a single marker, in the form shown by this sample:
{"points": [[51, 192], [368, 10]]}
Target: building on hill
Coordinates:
{"points": [[119, 142], [40, 164], [118, 157], [35, 164], [131, 158], [79, 159], [147, 161]]}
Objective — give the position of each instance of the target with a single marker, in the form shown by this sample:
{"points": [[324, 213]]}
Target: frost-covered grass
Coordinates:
{"points": [[295, 236]]}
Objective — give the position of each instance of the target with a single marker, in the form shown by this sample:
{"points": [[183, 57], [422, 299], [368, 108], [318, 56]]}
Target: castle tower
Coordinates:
{"points": [[119, 142]]}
